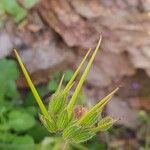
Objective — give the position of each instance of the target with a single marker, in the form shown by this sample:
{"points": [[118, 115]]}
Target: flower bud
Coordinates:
{"points": [[79, 111]]}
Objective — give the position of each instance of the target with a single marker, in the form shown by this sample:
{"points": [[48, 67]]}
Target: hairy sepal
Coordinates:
{"points": [[63, 120], [105, 124], [49, 125]]}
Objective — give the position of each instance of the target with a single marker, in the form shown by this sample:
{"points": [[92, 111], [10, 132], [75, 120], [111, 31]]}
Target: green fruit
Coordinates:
{"points": [[90, 119], [77, 134], [82, 135], [70, 131], [63, 120], [57, 102]]}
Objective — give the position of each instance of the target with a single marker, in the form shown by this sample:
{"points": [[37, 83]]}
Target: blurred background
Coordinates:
{"points": [[52, 36]]}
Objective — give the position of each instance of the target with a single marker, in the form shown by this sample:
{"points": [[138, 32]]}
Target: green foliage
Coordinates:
{"points": [[18, 121], [56, 77], [13, 8], [9, 73], [29, 98], [17, 118], [95, 144], [23, 143], [39, 132], [29, 3], [68, 75], [145, 118], [52, 85]]}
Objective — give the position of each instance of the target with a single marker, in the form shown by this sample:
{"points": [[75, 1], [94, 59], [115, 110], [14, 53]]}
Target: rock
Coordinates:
{"points": [[5, 44], [79, 23], [148, 72], [88, 9], [97, 77], [140, 103], [146, 5], [140, 57], [74, 30], [107, 67], [114, 65], [119, 109], [44, 59]]}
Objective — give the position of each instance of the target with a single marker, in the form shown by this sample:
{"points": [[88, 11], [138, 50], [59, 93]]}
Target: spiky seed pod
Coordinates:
{"points": [[76, 123], [49, 125], [62, 120], [57, 102], [79, 111]]}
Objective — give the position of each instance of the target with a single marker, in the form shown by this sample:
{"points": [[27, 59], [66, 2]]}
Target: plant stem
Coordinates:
{"points": [[65, 145]]}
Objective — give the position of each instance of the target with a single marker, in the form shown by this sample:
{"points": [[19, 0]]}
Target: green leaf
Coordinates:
{"points": [[30, 99], [6, 138], [23, 143], [68, 75], [9, 69], [20, 121], [52, 85], [9, 73], [56, 75], [33, 110], [95, 144], [13, 8], [79, 146], [29, 3], [38, 128], [11, 89], [83, 77]]}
